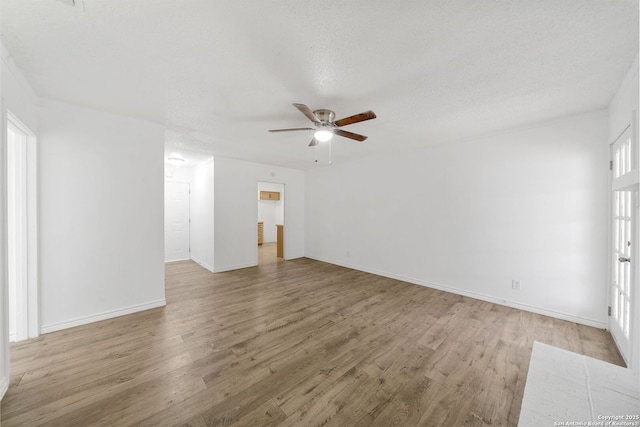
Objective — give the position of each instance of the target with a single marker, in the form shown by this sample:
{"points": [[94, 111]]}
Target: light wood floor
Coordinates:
{"points": [[293, 343], [267, 253]]}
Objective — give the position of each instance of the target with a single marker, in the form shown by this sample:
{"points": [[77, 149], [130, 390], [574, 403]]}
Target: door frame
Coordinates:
{"points": [[629, 182], [28, 238]]}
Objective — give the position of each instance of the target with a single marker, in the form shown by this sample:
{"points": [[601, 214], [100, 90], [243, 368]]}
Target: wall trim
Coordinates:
{"points": [[5, 357], [102, 316], [177, 260], [202, 263], [234, 267], [476, 295]]}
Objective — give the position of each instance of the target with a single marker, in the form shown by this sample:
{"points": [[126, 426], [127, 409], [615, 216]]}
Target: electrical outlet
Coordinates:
{"points": [[515, 285]]}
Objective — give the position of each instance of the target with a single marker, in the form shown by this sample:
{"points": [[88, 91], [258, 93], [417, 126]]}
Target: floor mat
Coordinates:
{"points": [[569, 389]]}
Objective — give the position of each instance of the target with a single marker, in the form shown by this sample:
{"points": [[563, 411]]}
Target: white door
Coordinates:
{"points": [[624, 189], [176, 221]]}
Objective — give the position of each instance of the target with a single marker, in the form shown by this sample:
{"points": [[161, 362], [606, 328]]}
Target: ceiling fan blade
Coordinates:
{"points": [[313, 142], [348, 134], [367, 115], [307, 112], [288, 130]]}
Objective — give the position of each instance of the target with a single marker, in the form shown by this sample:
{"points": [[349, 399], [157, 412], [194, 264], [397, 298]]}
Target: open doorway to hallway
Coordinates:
{"points": [[188, 204], [270, 222]]}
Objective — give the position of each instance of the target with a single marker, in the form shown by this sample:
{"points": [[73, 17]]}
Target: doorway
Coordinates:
{"points": [[22, 261], [271, 200]]}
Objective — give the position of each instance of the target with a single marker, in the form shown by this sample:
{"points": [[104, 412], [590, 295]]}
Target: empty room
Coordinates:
{"points": [[287, 213]]}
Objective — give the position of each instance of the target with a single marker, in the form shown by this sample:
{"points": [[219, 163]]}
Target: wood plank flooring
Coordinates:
{"points": [[295, 343]]}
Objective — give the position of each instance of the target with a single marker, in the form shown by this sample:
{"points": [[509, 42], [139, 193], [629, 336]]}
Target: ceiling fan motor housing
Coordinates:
{"points": [[325, 116]]}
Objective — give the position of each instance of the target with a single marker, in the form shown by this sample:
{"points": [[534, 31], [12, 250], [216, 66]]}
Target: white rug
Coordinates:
{"points": [[569, 389]]}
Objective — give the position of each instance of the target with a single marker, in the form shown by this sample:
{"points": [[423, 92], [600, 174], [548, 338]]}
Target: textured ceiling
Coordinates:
{"points": [[218, 74]]}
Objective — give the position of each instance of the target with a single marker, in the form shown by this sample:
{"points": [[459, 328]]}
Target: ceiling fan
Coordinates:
{"points": [[325, 126]]}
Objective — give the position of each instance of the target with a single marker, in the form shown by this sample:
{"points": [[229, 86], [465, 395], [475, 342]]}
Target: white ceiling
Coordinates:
{"points": [[218, 74]]}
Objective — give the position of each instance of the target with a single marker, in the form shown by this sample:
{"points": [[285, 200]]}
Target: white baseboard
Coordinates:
{"points": [[202, 263], [101, 316], [233, 267], [483, 297], [176, 260]]}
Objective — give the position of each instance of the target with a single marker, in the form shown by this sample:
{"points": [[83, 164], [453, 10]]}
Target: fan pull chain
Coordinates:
{"points": [[330, 145], [317, 153]]}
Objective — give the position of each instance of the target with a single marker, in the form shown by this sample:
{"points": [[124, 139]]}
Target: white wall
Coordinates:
{"points": [[528, 204], [624, 103], [101, 215], [236, 216], [623, 107], [202, 219], [271, 212], [17, 96]]}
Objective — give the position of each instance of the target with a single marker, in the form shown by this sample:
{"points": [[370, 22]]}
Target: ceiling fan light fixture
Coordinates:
{"points": [[323, 135], [175, 159]]}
